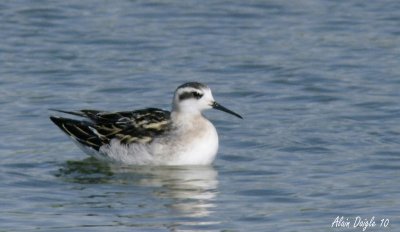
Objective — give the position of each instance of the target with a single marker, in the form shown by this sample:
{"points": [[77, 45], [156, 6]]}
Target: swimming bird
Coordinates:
{"points": [[150, 136]]}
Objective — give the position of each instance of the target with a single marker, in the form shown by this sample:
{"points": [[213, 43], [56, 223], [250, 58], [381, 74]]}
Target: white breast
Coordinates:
{"points": [[200, 149]]}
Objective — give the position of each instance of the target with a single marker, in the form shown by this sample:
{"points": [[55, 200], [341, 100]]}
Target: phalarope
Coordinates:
{"points": [[150, 136]]}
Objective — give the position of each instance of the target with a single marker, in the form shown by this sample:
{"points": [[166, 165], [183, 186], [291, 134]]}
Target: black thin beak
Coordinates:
{"points": [[217, 106]]}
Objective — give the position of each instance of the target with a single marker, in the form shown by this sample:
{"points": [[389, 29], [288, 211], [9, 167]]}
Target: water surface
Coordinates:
{"points": [[316, 81]]}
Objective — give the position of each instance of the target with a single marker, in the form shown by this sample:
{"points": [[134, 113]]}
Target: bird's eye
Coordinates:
{"points": [[197, 95]]}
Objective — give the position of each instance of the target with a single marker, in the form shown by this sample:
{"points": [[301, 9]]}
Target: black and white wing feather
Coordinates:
{"points": [[100, 127]]}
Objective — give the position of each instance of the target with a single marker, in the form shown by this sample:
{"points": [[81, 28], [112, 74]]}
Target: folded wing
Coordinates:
{"points": [[99, 127]]}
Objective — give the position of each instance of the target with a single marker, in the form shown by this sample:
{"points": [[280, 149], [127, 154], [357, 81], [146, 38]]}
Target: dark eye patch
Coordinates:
{"points": [[197, 95], [187, 95]]}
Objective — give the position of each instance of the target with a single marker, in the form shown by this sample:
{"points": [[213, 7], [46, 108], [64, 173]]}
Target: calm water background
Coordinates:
{"points": [[318, 83]]}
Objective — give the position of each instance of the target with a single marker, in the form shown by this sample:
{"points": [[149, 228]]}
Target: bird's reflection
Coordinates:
{"points": [[187, 190], [192, 189]]}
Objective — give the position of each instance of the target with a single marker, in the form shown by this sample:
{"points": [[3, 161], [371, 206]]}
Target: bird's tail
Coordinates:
{"points": [[80, 131]]}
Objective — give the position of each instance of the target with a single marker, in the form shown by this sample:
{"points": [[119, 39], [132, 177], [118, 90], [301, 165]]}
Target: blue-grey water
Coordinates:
{"points": [[318, 83]]}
